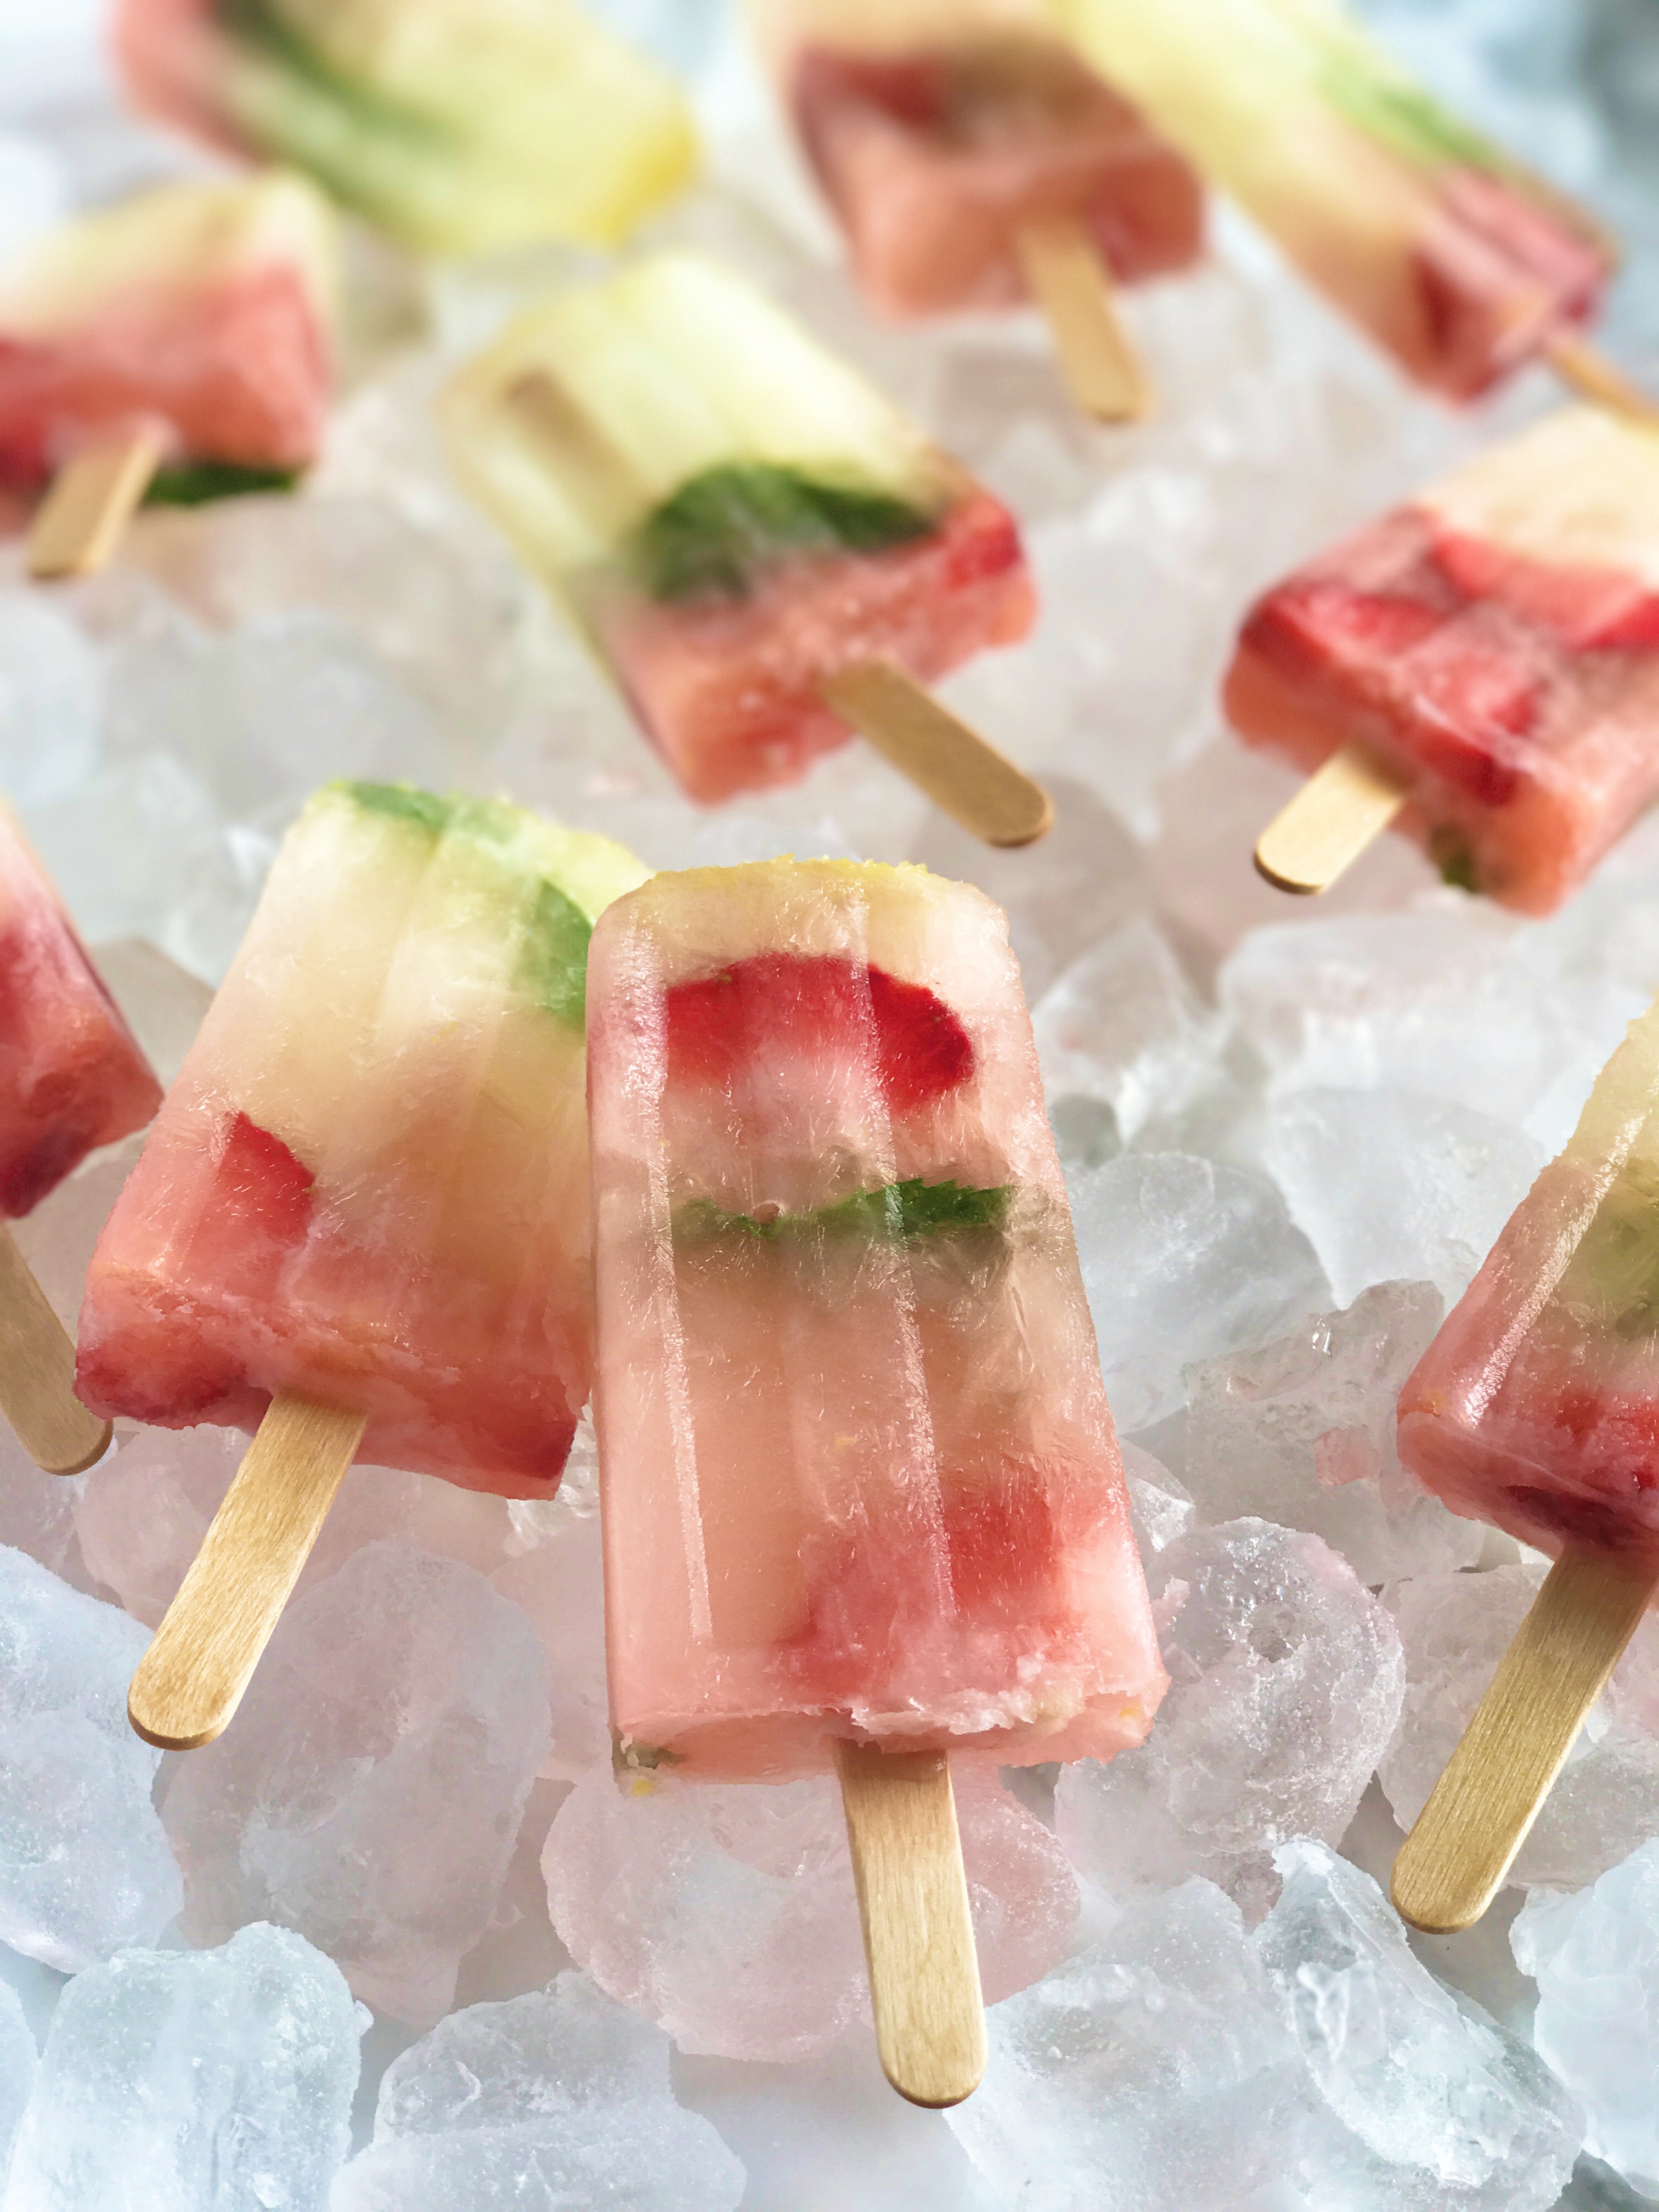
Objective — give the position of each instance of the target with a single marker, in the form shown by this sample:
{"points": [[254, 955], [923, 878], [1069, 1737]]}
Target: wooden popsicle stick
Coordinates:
{"points": [[1586, 370], [191, 1679], [953, 764], [92, 500], [1464, 1841], [1342, 808], [918, 1933], [1071, 282], [37, 1374]]}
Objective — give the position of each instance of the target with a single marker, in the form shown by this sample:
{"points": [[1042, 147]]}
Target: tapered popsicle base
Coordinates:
{"points": [[1342, 808], [1465, 1840], [37, 1374], [93, 499], [918, 1933], [191, 1679], [974, 783], [1070, 283]]}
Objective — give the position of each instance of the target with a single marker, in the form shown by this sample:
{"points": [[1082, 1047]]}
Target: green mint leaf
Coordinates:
{"points": [[403, 800], [193, 483], [718, 531], [897, 1212]]}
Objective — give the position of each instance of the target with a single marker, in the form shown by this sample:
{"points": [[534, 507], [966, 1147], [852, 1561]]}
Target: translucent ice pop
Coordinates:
{"points": [[1537, 1407], [365, 1192], [1491, 649], [462, 125], [190, 326], [859, 1481], [1449, 252], [71, 1078], [738, 520]]}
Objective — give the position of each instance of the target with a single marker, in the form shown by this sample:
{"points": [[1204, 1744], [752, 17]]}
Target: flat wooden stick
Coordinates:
{"points": [[1585, 370], [969, 779], [191, 1679], [1342, 808], [92, 500], [1463, 1843], [1071, 282], [918, 1933], [37, 1374]]}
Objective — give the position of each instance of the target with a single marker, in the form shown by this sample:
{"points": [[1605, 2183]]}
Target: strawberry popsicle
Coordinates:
{"points": [[736, 518], [1452, 255], [367, 1186], [1494, 648], [859, 1476], [462, 126], [196, 315], [941, 131]]}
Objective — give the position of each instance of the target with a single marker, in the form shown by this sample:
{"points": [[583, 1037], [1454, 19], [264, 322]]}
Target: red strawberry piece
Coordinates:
{"points": [[261, 1191]]}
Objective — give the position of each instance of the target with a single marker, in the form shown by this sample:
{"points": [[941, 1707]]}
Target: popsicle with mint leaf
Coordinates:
{"points": [[759, 547], [863, 1503], [360, 1223]]}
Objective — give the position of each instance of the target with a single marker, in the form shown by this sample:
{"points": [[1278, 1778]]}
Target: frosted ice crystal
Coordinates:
{"points": [[561, 1585], [19, 2064], [1181, 1259], [218, 2081], [1302, 1432], [51, 701], [725, 1912], [84, 1865], [1285, 1679], [1595, 1955], [370, 1788], [557, 2098], [1159, 1507]]}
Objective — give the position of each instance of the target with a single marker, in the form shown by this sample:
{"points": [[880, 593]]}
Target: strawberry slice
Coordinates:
{"points": [[816, 1004], [262, 1193]]}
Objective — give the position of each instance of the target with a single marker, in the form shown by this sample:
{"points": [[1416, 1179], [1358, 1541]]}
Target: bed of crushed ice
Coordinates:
{"points": [[399, 1912]]}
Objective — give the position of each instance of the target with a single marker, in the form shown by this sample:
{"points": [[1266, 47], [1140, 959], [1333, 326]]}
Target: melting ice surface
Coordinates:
{"points": [[1289, 1136]]}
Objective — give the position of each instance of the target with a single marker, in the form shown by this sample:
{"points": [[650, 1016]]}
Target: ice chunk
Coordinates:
{"points": [[1437, 2109], [51, 701], [20, 2064], [163, 1005], [218, 2081], [1159, 1507], [370, 1788], [1455, 1629], [561, 1585], [725, 1912], [558, 2098], [1286, 1681], [1595, 1956], [1389, 1185], [1302, 1432], [57, 1239], [1181, 1259], [84, 1865], [37, 1512]]}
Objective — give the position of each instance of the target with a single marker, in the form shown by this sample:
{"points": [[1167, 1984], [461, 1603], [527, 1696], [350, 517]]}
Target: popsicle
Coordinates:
{"points": [[71, 1078], [186, 331], [1483, 660], [362, 1213], [462, 126], [1537, 1407], [975, 161], [861, 1496], [1454, 257], [758, 544]]}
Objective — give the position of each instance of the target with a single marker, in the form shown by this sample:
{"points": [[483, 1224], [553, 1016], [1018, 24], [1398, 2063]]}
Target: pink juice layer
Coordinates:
{"points": [[72, 1076], [729, 689], [1517, 696], [934, 160], [859, 1476]]}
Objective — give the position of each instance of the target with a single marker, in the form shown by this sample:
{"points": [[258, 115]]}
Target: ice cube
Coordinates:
{"points": [[557, 2098], [1285, 1682], [561, 1585], [369, 1791], [84, 1865], [51, 701], [163, 1004], [37, 1513], [20, 2064], [1183, 1258], [219, 2080], [1159, 1507], [1264, 1432]]}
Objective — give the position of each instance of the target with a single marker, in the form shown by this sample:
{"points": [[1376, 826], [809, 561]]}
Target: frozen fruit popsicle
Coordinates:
{"points": [[463, 126], [71, 1078], [739, 522], [365, 1192], [1451, 254], [959, 145], [1492, 650], [859, 1482], [188, 329]]}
